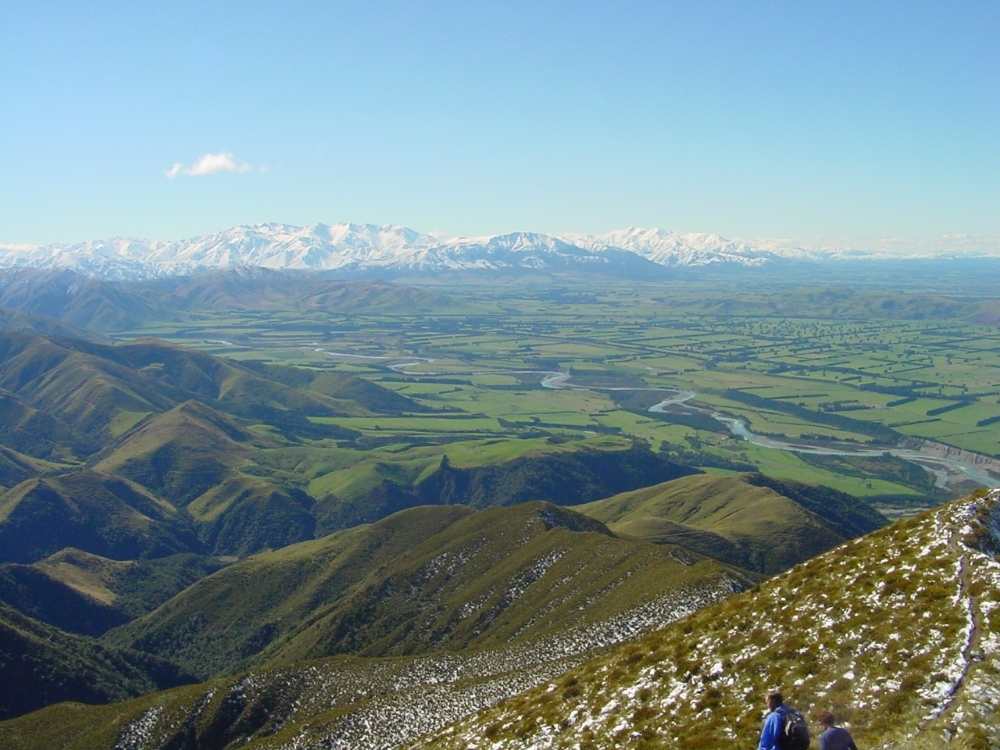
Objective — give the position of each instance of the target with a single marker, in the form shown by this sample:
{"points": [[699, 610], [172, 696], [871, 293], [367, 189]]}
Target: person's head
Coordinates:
{"points": [[774, 699], [826, 719]]}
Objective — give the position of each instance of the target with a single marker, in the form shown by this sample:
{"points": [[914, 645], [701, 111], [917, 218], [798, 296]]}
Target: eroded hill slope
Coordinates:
{"points": [[898, 632], [425, 579], [532, 589]]}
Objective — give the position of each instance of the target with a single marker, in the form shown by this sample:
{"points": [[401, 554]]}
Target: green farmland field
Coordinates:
{"points": [[483, 373]]}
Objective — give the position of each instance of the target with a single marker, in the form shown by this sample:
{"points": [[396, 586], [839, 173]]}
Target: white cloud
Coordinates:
{"points": [[207, 164]]}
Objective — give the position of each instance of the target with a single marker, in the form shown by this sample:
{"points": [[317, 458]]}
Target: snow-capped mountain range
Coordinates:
{"points": [[392, 249], [673, 249]]}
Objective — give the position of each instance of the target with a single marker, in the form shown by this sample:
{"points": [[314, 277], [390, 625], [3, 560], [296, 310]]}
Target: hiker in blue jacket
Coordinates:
{"points": [[774, 722]]}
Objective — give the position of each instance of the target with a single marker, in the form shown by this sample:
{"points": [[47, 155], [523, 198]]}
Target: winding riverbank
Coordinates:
{"points": [[937, 458], [951, 467]]}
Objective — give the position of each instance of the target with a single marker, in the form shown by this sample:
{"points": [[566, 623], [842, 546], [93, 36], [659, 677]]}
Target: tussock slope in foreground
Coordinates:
{"points": [[473, 606], [898, 632]]}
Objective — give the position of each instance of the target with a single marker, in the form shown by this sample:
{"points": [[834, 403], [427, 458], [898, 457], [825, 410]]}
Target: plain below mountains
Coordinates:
{"points": [[64, 302]]}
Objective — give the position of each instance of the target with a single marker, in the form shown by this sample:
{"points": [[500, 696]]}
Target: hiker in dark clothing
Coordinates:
{"points": [[784, 727], [834, 737]]}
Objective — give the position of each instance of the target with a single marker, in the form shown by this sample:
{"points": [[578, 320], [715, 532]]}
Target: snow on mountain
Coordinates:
{"points": [[277, 246], [320, 247], [671, 249], [281, 246], [369, 248], [116, 258], [513, 251]]}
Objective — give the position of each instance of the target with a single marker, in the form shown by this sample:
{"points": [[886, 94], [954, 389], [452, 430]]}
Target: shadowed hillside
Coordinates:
{"points": [[43, 665], [16, 467], [103, 514], [564, 478], [87, 594]]}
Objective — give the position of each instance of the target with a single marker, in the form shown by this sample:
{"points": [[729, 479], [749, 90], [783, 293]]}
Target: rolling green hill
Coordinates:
{"points": [[896, 632], [66, 380], [245, 514], [29, 431], [106, 515], [565, 478], [102, 390], [19, 322], [752, 522], [180, 453], [424, 579], [197, 456], [16, 467], [73, 298], [188, 428]]}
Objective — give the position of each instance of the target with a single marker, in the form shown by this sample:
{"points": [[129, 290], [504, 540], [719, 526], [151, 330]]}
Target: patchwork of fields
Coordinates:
{"points": [[505, 373]]}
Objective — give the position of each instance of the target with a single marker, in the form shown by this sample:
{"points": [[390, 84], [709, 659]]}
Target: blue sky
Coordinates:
{"points": [[818, 122]]}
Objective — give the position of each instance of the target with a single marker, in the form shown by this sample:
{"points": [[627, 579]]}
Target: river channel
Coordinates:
{"points": [[949, 471]]}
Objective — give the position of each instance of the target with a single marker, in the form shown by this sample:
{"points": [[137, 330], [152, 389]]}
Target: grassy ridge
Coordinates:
{"points": [[896, 632], [566, 478], [752, 522], [628, 697], [424, 579]]}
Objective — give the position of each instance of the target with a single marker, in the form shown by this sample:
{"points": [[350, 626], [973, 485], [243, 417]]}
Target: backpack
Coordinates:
{"points": [[795, 734]]}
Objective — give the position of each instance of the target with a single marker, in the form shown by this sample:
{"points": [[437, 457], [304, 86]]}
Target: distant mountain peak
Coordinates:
{"points": [[671, 249]]}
